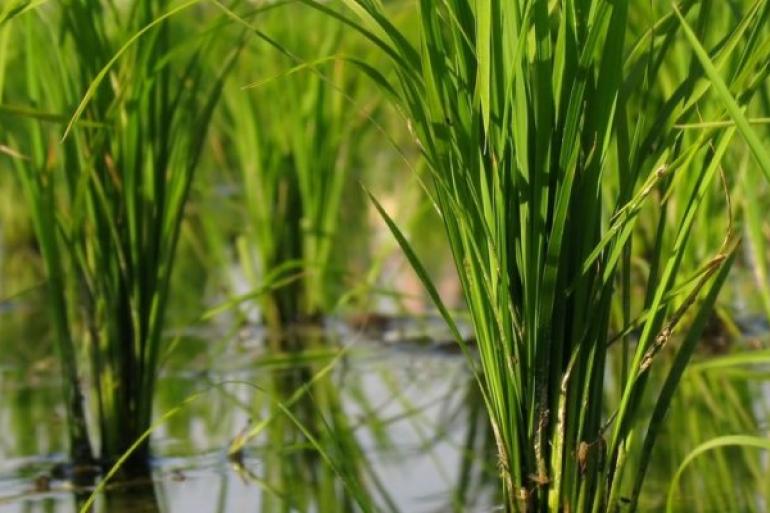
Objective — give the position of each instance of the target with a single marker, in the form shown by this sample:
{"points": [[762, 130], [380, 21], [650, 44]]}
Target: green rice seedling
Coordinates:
{"points": [[719, 395], [523, 110], [107, 193], [295, 134]]}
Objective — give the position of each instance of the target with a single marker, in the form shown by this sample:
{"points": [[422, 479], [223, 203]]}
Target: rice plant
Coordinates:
{"points": [[524, 110], [106, 191], [725, 389], [295, 122]]}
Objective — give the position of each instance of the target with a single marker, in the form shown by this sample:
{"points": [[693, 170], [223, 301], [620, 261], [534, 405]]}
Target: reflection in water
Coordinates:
{"points": [[313, 460], [400, 429], [136, 497], [386, 430]]}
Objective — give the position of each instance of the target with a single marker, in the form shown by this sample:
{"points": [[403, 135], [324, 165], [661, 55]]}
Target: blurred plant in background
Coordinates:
{"points": [[108, 199]]}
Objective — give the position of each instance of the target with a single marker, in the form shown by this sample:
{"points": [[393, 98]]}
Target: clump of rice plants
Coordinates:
{"points": [[107, 192], [294, 134], [524, 111]]}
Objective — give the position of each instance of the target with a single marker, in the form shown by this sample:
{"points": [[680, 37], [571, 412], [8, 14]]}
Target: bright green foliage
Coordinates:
{"points": [[718, 395], [546, 133], [574, 146], [746, 442], [754, 191], [107, 200], [294, 135]]}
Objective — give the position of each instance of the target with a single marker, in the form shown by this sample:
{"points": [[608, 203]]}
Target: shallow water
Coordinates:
{"points": [[398, 414], [407, 424]]}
